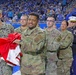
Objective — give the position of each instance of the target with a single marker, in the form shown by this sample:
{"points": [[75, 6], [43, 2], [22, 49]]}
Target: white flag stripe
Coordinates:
{"points": [[12, 54]]}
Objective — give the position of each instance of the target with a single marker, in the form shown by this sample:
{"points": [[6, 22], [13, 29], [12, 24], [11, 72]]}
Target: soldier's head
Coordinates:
{"points": [[50, 21], [23, 20], [72, 21], [33, 19], [0, 14], [64, 25]]}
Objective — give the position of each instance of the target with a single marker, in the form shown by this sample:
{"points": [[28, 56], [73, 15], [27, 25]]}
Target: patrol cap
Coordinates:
{"points": [[72, 18]]}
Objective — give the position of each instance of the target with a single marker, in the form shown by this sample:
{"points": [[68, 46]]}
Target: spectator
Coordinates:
{"points": [[10, 14], [60, 17]]}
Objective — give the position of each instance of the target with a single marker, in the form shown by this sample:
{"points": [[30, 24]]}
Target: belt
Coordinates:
{"points": [[51, 51], [32, 53], [60, 58]]}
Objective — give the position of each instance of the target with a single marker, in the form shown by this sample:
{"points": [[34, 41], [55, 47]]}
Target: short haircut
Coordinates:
{"points": [[24, 15], [51, 16], [34, 14]]}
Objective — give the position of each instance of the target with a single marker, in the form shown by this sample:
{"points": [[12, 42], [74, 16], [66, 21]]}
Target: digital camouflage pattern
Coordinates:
{"points": [[19, 30], [4, 68], [52, 38], [65, 53], [4, 31], [33, 49]]}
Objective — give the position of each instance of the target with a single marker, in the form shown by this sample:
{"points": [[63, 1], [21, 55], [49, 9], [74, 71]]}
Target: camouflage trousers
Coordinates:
{"points": [[32, 65], [4, 68], [63, 66], [51, 68]]}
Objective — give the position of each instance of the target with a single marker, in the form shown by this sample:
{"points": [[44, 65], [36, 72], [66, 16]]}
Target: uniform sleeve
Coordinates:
{"points": [[56, 43], [33, 44], [67, 41], [11, 28], [16, 30]]}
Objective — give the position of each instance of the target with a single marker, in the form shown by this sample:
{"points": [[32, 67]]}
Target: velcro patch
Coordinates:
{"points": [[38, 38]]}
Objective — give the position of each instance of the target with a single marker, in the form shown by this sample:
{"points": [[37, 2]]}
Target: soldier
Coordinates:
{"points": [[72, 20], [52, 34], [33, 48], [23, 22], [4, 31], [65, 50]]}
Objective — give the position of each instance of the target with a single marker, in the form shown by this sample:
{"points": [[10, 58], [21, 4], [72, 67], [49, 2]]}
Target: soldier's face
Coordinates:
{"points": [[50, 21], [73, 23], [32, 21], [23, 20], [63, 25]]}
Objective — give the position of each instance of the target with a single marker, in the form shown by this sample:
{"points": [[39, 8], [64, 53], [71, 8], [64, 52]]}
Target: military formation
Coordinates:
{"points": [[45, 51]]}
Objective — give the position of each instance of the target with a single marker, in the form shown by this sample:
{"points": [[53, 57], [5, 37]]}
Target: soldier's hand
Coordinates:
{"points": [[17, 41]]}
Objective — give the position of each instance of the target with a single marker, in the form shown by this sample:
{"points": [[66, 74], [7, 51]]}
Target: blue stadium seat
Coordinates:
{"points": [[16, 25]]}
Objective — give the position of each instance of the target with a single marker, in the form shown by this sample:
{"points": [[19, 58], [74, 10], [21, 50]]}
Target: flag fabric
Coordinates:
{"points": [[10, 52], [14, 56], [16, 70]]}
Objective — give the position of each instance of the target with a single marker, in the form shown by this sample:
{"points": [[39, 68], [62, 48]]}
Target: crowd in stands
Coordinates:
{"points": [[13, 9]]}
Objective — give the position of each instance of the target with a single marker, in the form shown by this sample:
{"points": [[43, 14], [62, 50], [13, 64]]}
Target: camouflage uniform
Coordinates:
{"points": [[65, 53], [52, 47], [19, 30], [4, 31], [33, 49]]}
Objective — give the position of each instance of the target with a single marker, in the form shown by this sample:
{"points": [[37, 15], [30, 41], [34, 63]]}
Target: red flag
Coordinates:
{"points": [[7, 44]]}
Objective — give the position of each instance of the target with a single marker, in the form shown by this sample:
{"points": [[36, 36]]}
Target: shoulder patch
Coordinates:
{"points": [[38, 38]]}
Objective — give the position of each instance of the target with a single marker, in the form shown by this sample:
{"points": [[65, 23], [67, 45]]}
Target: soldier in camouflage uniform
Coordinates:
{"points": [[52, 34], [4, 31], [33, 48], [23, 22], [65, 51]]}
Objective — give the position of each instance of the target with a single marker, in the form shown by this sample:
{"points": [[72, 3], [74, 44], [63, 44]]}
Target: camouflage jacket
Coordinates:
{"points": [[5, 30], [19, 30], [66, 43], [33, 49], [53, 42], [53, 39]]}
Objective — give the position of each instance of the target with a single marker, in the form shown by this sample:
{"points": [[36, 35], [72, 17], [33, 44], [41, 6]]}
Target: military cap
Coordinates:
{"points": [[72, 18]]}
